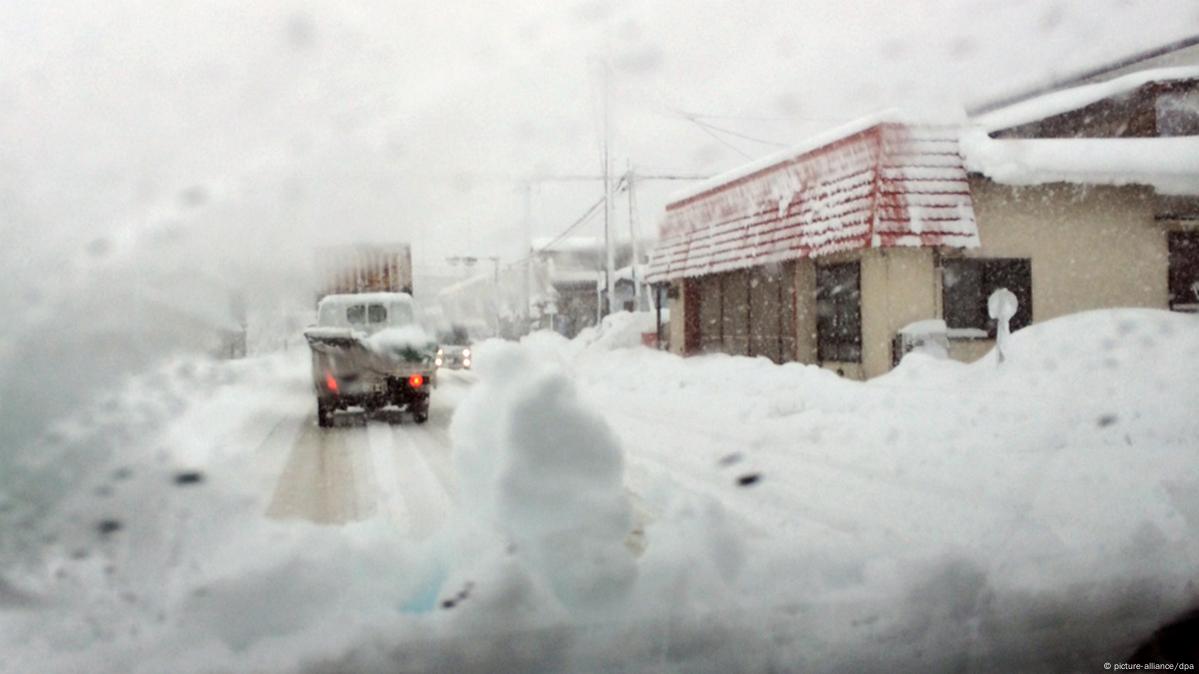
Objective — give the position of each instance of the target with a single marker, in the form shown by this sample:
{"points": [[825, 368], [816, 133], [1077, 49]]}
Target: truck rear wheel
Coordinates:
{"points": [[324, 415], [420, 412]]}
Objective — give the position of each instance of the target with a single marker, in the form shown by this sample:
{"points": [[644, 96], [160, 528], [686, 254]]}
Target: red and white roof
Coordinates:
{"points": [[871, 184]]}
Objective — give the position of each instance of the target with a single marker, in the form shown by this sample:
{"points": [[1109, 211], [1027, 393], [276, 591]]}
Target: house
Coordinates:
{"points": [[575, 267], [1074, 198]]}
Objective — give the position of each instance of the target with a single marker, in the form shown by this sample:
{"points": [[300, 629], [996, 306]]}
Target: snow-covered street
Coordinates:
{"points": [[382, 466]]}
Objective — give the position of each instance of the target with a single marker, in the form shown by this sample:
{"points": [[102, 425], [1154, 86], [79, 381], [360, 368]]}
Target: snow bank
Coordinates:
{"points": [[944, 512], [621, 330]]}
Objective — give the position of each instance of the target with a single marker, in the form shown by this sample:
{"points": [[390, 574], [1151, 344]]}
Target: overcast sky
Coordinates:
{"points": [[248, 132]]}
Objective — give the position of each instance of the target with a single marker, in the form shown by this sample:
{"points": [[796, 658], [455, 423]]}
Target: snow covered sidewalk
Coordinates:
{"points": [[1063, 485]]}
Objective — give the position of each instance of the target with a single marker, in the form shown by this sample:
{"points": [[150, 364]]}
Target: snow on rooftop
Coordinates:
{"points": [[790, 153], [1059, 102], [1169, 164], [871, 184]]}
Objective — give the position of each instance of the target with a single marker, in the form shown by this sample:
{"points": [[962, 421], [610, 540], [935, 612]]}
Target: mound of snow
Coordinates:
{"points": [[621, 330], [544, 469]]}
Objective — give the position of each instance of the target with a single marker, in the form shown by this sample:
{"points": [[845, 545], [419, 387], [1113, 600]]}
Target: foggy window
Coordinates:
{"points": [[1178, 113], [968, 283], [356, 314], [839, 312], [377, 313], [1184, 271]]}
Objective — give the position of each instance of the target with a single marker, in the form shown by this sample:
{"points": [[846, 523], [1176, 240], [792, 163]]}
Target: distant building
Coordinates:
{"points": [[575, 268], [1073, 198]]}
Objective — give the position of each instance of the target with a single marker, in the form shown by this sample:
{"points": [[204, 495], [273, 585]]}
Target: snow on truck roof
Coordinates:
{"points": [[364, 298]]}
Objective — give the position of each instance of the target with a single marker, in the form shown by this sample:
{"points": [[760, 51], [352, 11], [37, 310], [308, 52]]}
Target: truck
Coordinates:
{"points": [[369, 350]]}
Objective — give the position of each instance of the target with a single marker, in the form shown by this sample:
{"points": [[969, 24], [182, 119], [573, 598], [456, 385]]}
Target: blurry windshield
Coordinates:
{"points": [[599, 336]]}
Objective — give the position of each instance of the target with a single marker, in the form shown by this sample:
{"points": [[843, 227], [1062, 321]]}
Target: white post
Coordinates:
{"points": [[1001, 306]]}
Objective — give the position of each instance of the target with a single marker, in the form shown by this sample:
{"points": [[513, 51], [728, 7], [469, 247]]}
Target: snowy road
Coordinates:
{"points": [[386, 465]]}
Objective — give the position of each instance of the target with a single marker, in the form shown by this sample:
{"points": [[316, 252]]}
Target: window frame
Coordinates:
{"points": [[832, 347], [372, 314], [1177, 298], [989, 274], [359, 310]]}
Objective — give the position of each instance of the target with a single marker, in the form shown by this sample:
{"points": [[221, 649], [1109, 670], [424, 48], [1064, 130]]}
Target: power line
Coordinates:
{"points": [[738, 134], [620, 186], [720, 140]]}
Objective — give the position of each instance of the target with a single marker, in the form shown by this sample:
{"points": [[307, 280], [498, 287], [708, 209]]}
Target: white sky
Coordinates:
{"points": [[248, 132]]}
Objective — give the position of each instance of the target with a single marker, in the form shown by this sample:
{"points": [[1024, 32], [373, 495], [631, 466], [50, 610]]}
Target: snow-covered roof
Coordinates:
{"points": [[1169, 164], [874, 182], [1067, 100], [716, 182]]}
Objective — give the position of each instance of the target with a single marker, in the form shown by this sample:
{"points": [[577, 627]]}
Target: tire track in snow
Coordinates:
{"points": [[322, 479], [403, 476]]}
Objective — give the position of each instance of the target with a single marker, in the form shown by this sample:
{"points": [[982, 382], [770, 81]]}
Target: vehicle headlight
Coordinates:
{"points": [[466, 353]]}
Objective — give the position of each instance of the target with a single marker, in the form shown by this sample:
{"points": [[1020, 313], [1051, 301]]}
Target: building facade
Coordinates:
{"points": [[1073, 200]]}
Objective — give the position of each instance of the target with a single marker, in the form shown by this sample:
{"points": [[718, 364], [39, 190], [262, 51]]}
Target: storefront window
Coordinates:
{"points": [[839, 312]]}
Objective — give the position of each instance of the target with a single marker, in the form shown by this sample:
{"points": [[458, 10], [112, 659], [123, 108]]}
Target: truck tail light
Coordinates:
{"points": [[330, 381], [416, 381]]}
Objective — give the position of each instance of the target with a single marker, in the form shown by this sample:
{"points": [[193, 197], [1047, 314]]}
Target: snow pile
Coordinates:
{"points": [[944, 512], [621, 330], [547, 472], [1171, 165], [543, 474]]}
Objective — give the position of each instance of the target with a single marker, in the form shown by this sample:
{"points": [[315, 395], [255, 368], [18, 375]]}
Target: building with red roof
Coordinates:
{"points": [[848, 249]]}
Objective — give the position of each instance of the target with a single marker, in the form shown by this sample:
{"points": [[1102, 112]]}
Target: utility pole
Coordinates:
{"points": [[633, 236], [609, 268], [528, 262]]}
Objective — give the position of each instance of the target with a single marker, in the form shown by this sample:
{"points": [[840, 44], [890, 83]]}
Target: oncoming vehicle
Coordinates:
{"points": [[454, 357], [454, 352], [369, 352]]}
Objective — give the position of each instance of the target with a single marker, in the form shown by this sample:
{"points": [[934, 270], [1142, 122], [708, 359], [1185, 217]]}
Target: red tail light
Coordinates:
{"points": [[330, 382], [416, 381]]}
